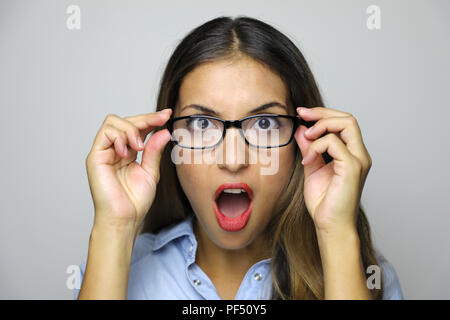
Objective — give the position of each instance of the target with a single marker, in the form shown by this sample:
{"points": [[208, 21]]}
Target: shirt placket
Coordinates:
{"points": [[199, 281], [255, 284]]}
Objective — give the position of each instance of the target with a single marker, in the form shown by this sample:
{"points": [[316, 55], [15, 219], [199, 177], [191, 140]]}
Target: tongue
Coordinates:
{"points": [[232, 205]]}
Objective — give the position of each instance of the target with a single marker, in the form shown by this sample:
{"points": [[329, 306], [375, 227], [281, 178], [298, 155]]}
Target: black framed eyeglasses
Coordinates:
{"points": [[259, 131]]}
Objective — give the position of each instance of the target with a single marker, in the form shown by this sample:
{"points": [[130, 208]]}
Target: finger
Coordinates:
{"points": [[136, 128], [304, 143], [148, 120], [356, 146], [116, 137], [146, 123], [132, 133], [335, 148], [316, 113], [347, 129], [151, 156], [302, 140]]}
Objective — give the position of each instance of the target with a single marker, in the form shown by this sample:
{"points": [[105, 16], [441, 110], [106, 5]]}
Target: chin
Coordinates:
{"points": [[233, 240], [230, 240]]}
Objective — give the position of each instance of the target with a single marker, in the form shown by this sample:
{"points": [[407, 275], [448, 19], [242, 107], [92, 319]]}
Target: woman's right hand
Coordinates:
{"points": [[122, 189]]}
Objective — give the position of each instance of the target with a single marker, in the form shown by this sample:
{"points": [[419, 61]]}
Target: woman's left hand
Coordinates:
{"points": [[332, 191]]}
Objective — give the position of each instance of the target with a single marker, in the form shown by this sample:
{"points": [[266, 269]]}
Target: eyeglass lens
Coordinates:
{"points": [[263, 131]]}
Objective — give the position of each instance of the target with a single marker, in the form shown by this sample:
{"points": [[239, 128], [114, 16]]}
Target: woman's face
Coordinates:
{"points": [[231, 90]]}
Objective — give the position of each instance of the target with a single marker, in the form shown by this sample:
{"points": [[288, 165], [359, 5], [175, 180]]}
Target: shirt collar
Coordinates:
{"points": [[183, 228], [172, 232]]}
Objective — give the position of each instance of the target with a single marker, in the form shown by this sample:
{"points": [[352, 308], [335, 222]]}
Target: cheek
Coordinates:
{"points": [[186, 174], [193, 180], [275, 183], [287, 158]]}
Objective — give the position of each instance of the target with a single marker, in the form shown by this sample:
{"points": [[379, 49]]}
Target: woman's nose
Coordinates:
{"points": [[232, 153]]}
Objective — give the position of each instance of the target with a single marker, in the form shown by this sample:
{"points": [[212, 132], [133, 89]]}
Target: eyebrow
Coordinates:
{"points": [[258, 109]]}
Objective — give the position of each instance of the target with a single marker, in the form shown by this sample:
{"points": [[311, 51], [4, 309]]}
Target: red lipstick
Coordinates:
{"points": [[233, 224]]}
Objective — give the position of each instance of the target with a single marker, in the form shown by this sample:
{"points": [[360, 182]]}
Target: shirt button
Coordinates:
{"points": [[257, 276], [197, 282]]}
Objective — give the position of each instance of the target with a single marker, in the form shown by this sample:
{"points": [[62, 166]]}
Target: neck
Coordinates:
{"points": [[218, 262]]}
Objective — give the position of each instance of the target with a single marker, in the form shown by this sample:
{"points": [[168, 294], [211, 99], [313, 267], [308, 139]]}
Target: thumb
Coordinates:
{"points": [[304, 144], [152, 153], [302, 141]]}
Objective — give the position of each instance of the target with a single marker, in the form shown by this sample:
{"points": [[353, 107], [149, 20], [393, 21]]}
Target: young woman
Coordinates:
{"points": [[224, 228]]}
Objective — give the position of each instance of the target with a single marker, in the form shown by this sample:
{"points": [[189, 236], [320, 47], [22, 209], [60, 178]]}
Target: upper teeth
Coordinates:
{"points": [[236, 191]]}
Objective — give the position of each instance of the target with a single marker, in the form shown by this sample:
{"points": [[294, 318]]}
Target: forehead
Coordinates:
{"points": [[223, 84]]}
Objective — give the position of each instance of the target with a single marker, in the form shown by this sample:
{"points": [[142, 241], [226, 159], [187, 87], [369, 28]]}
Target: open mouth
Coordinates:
{"points": [[232, 205]]}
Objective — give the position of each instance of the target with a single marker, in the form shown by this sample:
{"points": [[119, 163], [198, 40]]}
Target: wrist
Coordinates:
{"points": [[342, 265], [111, 246], [108, 264], [335, 246], [123, 228], [344, 234], [116, 239]]}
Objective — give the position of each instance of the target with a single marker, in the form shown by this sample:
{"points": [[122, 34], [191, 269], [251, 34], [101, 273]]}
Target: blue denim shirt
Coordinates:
{"points": [[163, 267]]}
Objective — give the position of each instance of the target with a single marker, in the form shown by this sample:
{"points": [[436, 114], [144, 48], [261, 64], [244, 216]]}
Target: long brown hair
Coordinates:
{"points": [[296, 265]]}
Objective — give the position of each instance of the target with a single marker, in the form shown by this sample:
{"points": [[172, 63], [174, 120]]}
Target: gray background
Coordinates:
{"points": [[57, 86]]}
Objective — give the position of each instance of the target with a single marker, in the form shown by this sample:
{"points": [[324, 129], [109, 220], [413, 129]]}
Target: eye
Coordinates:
{"points": [[266, 123], [199, 124]]}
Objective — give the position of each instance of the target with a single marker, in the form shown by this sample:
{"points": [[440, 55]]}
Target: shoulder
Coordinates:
{"points": [[163, 242], [391, 282], [159, 261], [142, 247], [164, 253]]}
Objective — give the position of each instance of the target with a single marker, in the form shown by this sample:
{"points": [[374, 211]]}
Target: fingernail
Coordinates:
{"points": [[304, 110], [308, 132], [167, 110], [306, 159], [139, 142]]}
